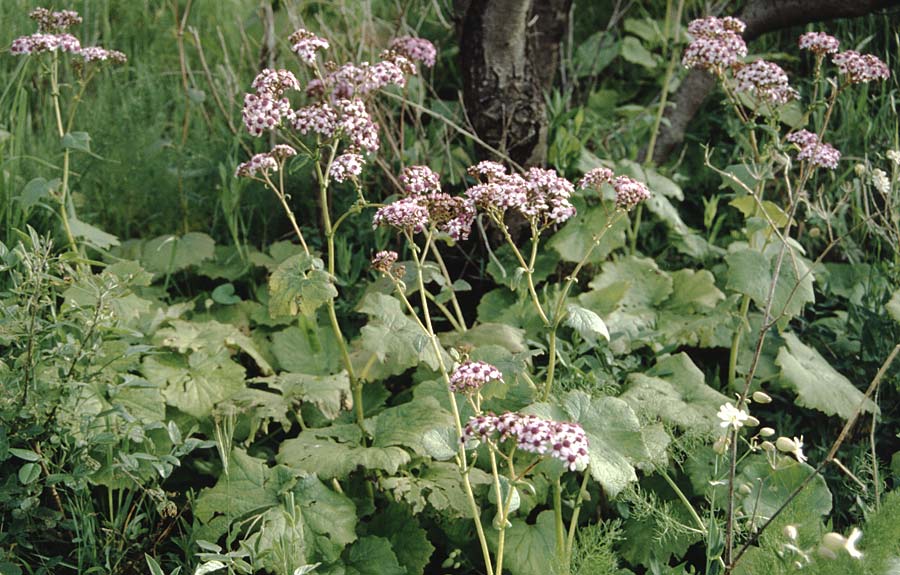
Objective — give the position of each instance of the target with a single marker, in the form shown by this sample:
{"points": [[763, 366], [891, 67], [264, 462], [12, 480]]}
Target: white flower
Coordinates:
{"points": [[732, 416], [834, 542], [881, 181], [790, 531], [893, 155], [792, 446]]}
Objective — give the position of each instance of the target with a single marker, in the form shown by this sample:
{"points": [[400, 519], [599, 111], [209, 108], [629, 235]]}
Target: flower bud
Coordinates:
{"points": [[751, 421], [745, 489], [768, 446], [785, 444], [860, 169], [721, 445], [760, 397], [790, 531], [766, 432], [826, 553], [833, 541]]}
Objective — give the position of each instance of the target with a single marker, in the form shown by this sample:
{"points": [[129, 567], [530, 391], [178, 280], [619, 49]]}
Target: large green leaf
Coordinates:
{"points": [[307, 348], [396, 340], [674, 392], [196, 383], [818, 385], [575, 238], [372, 555], [330, 393], [209, 336], [529, 549], [406, 425], [588, 324], [299, 285], [769, 488], [751, 272], [330, 517], [168, 254], [438, 485], [408, 539], [329, 458]]}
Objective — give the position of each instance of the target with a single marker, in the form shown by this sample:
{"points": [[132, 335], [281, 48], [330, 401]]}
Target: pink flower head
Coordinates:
{"points": [[281, 152], [48, 21], [98, 54], [418, 180], [629, 192], [356, 124], [346, 166], [860, 68], [564, 441], [487, 170], [416, 49], [716, 44], [473, 375], [596, 178], [405, 214], [547, 197], [40, 43], [814, 151], [765, 80], [273, 83], [318, 118], [450, 215], [259, 163], [459, 226], [306, 44], [383, 261], [819, 43], [262, 113]]}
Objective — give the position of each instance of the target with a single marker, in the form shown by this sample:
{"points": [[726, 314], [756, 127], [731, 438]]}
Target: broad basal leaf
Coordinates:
{"points": [[299, 285], [307, 348], [396, 340], [329, 458], [211, 337], [330, 393], [588, 324], [529, 549], [408, 540], [372, 556], [818, 385], [194, 384], [406, 424], [169, 254], [770, 487], [674, 392], [438, 485]]}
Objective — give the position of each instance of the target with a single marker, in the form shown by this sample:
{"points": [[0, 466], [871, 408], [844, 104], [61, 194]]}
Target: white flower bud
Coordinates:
{"points": [[768, 446], [860, 169], [751, 421], [826, 553], [745, 489], [790, 531], [760, 397], [785, 444], [766, 432], [834, 541], [721, 445]]}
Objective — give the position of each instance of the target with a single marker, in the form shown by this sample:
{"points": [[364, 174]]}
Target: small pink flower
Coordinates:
{"points": [[819, 43], [306, 45], [418, 180], [48, 21], [273, 83], [40, 43], [383, 261], [596, 178], [259, 163], [98, 54], [765, 80], [629, 192], [860, 68], [814, 151], [404, 214], [416, 49], [716, 44], [473, 375], [346, 166]]}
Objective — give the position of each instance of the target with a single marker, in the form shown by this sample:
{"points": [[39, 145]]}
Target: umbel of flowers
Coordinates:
{"points": [[52, 37]]}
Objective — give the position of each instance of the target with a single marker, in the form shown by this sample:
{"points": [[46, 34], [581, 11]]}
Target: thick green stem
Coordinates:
{"points": [[528, 267], [573, 523], [558, 522], [461, 457], [64, 188], [684, 500], [736, 341]]}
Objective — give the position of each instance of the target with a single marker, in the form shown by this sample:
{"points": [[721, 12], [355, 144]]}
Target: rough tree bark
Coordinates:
{"points": [[509, 52], [761, 16]]}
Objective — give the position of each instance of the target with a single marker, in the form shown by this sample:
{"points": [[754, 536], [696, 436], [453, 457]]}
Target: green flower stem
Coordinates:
{"points": [[355, 383], [573, 523], [460, 324], [461, 457], [64, 188], [736, 341], [447, 313], [560, 526], [282, 197], [687, 504], [528, 267], [558, 314]]}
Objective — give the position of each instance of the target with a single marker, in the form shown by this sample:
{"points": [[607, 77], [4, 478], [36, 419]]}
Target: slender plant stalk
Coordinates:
{"points": [[64, 188]]}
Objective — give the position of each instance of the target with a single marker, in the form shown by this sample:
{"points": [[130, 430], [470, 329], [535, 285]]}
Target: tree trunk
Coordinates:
{"points": [[509, 52]]}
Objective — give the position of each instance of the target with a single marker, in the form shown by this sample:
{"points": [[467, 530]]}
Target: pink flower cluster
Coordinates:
{"points": [[360, 79], [541, 195], [306, 44], [819, 43], [814, 151], [406, 214], [384, 260], [629, 192], [267, 109], [566, 442], [40, 43], [355, 123], [266, 162], [98, 54], [716, 45], [860, 68], [415, 49], [765, 80], [51, 37], [473, 375], [346, 166], [318, 118], [48, 21], [419, 180]]}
